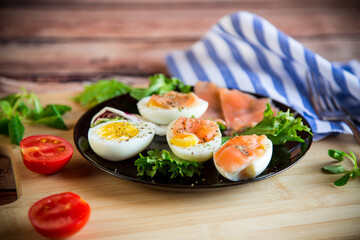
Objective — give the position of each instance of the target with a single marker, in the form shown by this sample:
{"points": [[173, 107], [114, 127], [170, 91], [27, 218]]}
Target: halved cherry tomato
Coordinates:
{"points": [[59, 215], [45, 154]]}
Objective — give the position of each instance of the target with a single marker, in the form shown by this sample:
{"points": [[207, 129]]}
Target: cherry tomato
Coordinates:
{"points": [[59, 215], [45, 154]]}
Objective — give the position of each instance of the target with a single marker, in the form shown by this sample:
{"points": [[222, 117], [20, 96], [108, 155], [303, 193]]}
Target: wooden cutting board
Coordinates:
{"points": [[300, 203]]}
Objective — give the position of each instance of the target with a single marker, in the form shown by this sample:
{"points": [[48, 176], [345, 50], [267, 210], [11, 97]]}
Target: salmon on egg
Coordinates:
{"points": [[243, 157], [193, 139], [121, 139], [162, 109]]}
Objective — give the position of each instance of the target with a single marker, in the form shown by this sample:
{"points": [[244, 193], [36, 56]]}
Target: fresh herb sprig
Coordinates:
{"points": [[105, 89], [280, 128], [166, 163], [337, 169], [24, 107]]}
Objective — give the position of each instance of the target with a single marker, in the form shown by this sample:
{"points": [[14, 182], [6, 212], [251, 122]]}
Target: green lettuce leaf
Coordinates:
{"points": [[105, 89], [96, 93], [160, 84], [280, 128], [166, 163]]}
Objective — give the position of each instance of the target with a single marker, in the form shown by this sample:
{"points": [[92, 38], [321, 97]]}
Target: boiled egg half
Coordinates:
{"points": [[162, 109], [121, 139], [193, 139], [243, 157]]}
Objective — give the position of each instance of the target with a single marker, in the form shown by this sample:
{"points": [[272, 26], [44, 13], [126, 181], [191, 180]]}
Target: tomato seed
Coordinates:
{"points": [[60, 148]]}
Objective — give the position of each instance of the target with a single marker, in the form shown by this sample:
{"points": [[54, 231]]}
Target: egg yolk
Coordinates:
{"points": [[185, 140], [118, 131]]}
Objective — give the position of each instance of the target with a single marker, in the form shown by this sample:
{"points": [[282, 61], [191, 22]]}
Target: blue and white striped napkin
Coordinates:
{"points": [[246, 52]]}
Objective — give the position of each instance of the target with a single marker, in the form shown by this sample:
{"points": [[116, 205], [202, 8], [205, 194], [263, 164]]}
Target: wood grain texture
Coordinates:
{"points": [[86, 59], [164, 23], [62, 41], [300, 203], [54, 47]]}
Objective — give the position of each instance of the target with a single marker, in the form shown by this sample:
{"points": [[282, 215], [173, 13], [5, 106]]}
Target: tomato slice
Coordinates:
{"points": [[45, 154], [59, 215]]}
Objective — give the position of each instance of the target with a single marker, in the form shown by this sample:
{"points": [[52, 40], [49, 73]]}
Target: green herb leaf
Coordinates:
{"points": [[166, 163], [337, 154], [343, 180], [4, 126], [334, 169], [340, 156], [355, 173], [280, 128], [26, 107], [6, 108], [51, 116], [222, 127], [15, 130], [224, 139]]}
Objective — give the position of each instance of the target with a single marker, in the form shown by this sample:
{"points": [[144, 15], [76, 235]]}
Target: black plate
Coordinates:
{"points": [[284, 156]]}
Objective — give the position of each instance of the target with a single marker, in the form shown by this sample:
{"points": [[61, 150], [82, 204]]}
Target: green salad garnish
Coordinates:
{"points": [[281, 128], [105, 89], [166, 163], [24, 107], [337, 169]]}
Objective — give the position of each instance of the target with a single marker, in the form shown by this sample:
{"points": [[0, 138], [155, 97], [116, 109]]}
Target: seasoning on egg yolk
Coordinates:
{"points": [[173, 99], [185, 140], [118, 131]]}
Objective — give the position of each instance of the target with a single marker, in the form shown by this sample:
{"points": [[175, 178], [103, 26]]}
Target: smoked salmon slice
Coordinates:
{"points": [[238, 109], [241, 110], [210, 93], [173, 99], [243, 157], [205, 130], [237, 153]]}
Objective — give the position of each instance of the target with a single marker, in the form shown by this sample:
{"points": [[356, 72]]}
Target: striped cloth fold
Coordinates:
{"points": [[244, 51]]}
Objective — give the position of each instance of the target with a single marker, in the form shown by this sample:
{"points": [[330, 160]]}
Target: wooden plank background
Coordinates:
{"points": [[65, 41], [58, 45]]}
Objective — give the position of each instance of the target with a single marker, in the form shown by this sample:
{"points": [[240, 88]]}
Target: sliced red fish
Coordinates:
{"points": [[173, 100], [241, 110], [237, 153], [210, 93], [205, 130]]}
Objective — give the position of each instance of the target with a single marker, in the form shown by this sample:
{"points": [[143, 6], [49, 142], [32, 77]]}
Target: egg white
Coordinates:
{"points": [[159, 129], [254, 169], [165, 116], [116, 149], [200, 152]]}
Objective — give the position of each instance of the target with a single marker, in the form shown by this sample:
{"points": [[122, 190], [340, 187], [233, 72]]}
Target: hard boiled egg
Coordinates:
{"points": [[112, 114], [193, 139], [243, 157], [122, 139], [162, 109]]}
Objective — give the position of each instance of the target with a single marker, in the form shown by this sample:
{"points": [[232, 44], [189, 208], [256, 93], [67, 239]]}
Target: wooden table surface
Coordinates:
{"points": [[53, 47]]}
